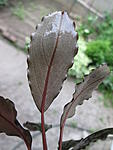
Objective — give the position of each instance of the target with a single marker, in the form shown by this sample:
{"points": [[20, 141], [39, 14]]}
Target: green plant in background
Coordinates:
{"points": [[100, 52], [81, 62], [19, 11], [88, 27], [92, 28], [107, 89], [3, 2], [108, 83], [73, 124], [100, 46], [27, 42], [105, 29], [32, 6]]}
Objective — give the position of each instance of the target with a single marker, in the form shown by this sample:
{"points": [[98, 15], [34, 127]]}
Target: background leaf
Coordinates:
{"points": [[36, 126], [84, 90], [9, 124], [66, 145], [99, 135]]}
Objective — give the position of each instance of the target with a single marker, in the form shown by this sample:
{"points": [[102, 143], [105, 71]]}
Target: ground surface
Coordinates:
{"points": [[16, 29], [92, 115]]}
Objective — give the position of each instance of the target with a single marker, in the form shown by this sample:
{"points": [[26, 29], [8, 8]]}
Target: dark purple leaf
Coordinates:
{"points": [[9, 124], [84, 142], [36, 126], [84, 90], [99, 135]]}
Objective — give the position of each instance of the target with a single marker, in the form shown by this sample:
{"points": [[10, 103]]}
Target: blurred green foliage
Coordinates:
{"points": [[27, 43], [19, 11], [93, 28], [108, 83], [100, 51], [98, 35], [3, 2], [81, 61], [87, 27]]}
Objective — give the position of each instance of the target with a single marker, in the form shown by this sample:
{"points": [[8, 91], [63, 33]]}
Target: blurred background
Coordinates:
{"points": [[94, 24]]}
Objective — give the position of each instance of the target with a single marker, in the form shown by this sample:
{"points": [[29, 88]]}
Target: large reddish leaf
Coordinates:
{"points": [[9, 124], [51, 52]]}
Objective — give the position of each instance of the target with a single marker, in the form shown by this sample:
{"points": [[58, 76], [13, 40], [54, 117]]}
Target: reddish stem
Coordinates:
{"points": [[43, 131], [42, 112], [28, 146], [45, 89], [60, 138]]}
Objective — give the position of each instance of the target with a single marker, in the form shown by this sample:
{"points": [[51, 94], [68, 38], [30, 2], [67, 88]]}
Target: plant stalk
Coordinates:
{"points": [[45, 88], [60, 138], [43, 131], [28, 147]]}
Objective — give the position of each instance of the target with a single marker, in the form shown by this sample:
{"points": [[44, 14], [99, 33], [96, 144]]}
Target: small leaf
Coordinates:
{"points": [[82, 143], [10, 125], [36, 126], [51, 52], [99, 135], [66, 145], [84, 90]]}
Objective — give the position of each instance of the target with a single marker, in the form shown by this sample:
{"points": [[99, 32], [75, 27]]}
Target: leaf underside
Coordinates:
{"points": [[66, 145], [50, 55], [9, 124], [84, 90], [84, 142], [36, 126]]}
